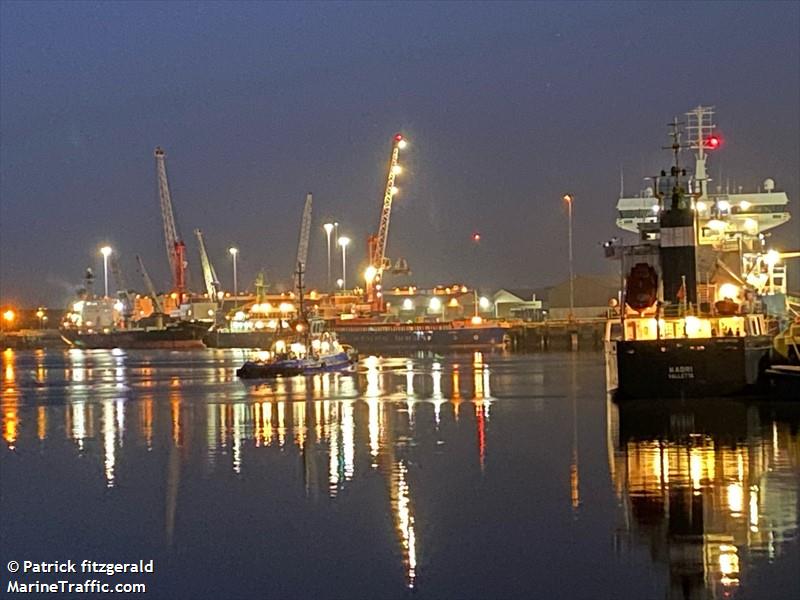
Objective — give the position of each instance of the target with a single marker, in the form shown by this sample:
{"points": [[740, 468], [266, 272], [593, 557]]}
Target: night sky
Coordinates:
{"points": [[506, 108]]}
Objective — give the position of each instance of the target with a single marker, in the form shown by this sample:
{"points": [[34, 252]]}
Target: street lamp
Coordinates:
{"points": [[40, 316], [328, 227], [105, 251], [343, 242], [568, 198], [8, 317], [234, 253]]}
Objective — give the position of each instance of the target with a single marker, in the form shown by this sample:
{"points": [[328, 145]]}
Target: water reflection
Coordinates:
{"points": [[341, 426], [709, 487], [707, 498]]}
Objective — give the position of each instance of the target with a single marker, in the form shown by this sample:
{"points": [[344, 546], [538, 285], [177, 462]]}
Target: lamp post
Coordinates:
{"points": [[106, 252], [343, 242], [234, 253], [568, 198], [328, 227]]}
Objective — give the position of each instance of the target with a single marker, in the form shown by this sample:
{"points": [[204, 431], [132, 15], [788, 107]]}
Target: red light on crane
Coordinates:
{"points": [[476, 237], [398, 137], [712, 142]]}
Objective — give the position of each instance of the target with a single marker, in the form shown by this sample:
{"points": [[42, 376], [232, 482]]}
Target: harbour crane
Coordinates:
{"points": [[376, 244], [176, 249], [305, 233], [209, 274], [151, 289]]}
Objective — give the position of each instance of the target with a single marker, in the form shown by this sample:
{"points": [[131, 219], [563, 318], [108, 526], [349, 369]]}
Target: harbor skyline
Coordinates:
{"points": [[257, 106]]}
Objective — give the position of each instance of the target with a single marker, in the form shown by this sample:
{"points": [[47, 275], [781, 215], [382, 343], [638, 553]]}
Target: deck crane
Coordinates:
{"points": [[123, 293], [376, 244], [209, 274], [151, 289], [176, 249], [305, 233]]}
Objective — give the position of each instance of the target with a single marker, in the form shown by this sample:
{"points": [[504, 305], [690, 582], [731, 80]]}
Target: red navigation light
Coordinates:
{"points": [[476, 237], [712, 142], [398, 137]]}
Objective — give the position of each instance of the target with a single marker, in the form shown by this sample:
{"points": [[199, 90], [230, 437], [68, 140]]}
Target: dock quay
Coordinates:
{"points": [[558, 335]]}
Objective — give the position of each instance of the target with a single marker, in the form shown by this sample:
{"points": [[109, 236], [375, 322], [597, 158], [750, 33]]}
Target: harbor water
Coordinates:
{"points": [[442, 476]]}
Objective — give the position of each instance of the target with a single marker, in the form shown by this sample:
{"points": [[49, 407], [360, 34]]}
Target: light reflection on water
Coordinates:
{"points": [[707, 498]]}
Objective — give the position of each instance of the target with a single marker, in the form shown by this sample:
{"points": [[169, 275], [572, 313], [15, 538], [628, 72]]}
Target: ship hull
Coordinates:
{"points": [[184, 336], [403, 337], [686, 368], [290, 368], [243, 339]]}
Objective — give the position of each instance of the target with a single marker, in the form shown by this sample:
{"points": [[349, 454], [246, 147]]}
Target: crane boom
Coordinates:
{"points": [[176, 249], [305, 233], [209, 274], [378, 254], [376, 244], [151, 290]]}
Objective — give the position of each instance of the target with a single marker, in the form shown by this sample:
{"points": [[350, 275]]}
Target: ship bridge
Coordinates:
{"points": [[718, 214]]}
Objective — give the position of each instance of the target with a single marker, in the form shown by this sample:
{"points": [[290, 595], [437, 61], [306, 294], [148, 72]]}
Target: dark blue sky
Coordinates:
{"points": [[506, 106]]}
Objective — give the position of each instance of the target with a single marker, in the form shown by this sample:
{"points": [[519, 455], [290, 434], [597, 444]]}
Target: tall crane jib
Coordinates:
{"points": [[305, 233], [209, 274], [151, 289], [376, 244], [176, 249]]}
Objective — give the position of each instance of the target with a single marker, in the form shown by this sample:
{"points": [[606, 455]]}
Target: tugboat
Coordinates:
{"points": [[309, 349], [677, 334]]}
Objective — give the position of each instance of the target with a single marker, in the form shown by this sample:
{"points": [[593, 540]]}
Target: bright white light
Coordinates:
{"points": [[402, 144], [397, 169], [701, 206], [344, 241], [118, 306], [340, 282], [772, 258], [286, 307], [717, 225], [435, 304], [408, 304], [484, 303], [744, 205], [370, 273], [328, 227], [693, 326], [233, 251], [723, 205], [394, 190], [728, 290], [239, 316], [105, 250], [476, 320]]}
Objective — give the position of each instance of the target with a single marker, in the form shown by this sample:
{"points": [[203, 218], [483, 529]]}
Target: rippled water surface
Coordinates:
{"points": [[464, 476]]}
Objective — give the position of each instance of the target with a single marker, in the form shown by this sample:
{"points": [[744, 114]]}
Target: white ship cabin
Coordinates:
{"points": [[719, 215], [688, 327]]}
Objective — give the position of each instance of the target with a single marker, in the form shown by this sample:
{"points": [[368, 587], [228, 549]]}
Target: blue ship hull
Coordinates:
{"points": [[290, 367]]}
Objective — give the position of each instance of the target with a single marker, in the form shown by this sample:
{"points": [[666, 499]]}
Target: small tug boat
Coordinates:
{"points": [[321, 352], [310, 349]]}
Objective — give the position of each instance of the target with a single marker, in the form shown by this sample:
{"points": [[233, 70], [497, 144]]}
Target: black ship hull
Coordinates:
{"points": [[686, 368], [180, 336], [421, 337], [239, 339]]}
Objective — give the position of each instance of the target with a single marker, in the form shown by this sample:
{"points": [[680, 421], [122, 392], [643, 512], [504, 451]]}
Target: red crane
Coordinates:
{"points": [[176, 249]]}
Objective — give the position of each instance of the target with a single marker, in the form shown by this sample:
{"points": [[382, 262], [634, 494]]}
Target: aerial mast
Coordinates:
{"points": [[376, 244], [176, 249]]}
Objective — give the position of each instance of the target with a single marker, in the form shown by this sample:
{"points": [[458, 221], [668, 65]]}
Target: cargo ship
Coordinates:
{"points": [[179, 335], [100, 323], [700, 294], [372, 335]]}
